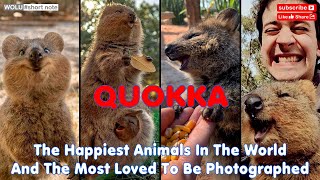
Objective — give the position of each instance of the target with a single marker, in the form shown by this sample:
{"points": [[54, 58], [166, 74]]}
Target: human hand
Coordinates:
{"points": [[199, 135]]}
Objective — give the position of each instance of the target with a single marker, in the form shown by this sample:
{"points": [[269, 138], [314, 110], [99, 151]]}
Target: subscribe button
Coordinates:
{"points": [[297, 16], [297, 7]]}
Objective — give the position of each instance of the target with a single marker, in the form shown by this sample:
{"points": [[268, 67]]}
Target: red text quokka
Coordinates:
{"points": [[217, 96]]}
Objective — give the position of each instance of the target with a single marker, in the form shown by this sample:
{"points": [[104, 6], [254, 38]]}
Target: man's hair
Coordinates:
{"points": [[263, 4]]}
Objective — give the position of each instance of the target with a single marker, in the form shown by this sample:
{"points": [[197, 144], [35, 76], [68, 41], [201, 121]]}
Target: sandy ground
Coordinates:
{"points": [[70, 34], [170, 70]]}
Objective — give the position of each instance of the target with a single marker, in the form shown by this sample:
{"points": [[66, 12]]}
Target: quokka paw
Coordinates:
{"points": [[214, 113], [177, 111], [72, 174], [126, 59], [51, 159], [149, 58]]}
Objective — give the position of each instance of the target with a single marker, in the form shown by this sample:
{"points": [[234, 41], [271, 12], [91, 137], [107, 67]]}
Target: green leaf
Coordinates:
{"points": [[231, 2], [183, 11]]}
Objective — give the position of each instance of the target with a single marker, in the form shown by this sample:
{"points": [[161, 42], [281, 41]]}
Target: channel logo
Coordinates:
{"points": [[31, 7]]}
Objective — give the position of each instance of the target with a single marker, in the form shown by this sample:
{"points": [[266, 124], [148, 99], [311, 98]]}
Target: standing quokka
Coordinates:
{"points": [[118, 36], [210, 53], [36, 77], [278, 113]]}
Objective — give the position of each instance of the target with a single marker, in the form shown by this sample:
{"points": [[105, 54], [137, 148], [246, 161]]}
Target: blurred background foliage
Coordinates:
{"points": [[208, 8], [149, 15], [177, 7], [253, 73]]}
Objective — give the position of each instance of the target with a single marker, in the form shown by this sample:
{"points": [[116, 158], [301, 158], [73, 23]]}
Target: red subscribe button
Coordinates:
{"points": [[297, 7], [297, 16]]}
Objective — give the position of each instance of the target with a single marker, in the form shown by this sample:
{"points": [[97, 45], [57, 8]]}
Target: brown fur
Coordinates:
{"points": [[34, 111], [213, 53], [107, 65], [290, 112]]}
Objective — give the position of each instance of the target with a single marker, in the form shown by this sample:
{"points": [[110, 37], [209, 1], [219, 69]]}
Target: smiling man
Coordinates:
{"points": [[289, 49]]}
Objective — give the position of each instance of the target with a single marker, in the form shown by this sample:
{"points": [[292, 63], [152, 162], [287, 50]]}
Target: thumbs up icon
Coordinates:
{"points": [[291, 16]]}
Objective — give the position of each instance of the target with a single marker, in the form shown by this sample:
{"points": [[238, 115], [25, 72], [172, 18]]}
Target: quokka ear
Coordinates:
{"points": [[309, 89], [55, 40], [230, 18], [9, 46]]}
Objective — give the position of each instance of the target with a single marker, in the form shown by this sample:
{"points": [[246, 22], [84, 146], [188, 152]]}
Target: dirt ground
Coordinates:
{"points": [[70, 34], [170, 70]]}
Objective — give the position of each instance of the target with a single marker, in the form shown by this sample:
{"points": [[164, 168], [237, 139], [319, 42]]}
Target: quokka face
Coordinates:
{"points": [[119, 23], [282, 112], [36, 67], [128, 126], [211, 46]]}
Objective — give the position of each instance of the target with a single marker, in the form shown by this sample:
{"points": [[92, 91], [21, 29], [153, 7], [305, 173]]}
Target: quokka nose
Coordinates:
{"points": [[35, 54], [132, 17], [168, 49], [253, 104]]}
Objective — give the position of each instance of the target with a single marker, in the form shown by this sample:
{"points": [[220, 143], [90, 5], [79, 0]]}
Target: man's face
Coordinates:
{"points": [[289, 48]]}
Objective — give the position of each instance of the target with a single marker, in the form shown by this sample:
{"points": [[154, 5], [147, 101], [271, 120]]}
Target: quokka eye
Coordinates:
{"points": [[21, 52], [280, 95], [193, 35], [46, 50]]}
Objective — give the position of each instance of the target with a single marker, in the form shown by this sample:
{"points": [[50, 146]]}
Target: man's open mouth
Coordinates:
{"points": [[287, 59]]}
